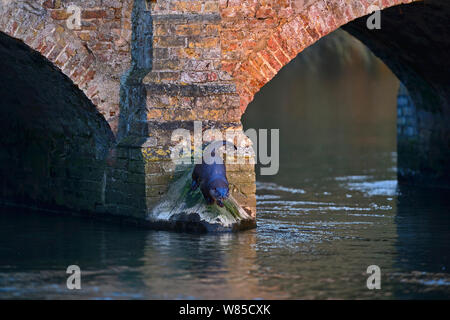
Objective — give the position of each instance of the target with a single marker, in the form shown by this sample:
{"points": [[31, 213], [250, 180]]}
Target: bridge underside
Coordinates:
{"points": [[148, 68]]}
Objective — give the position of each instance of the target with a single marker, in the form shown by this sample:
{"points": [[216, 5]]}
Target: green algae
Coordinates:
{"points": [[182, 201]]}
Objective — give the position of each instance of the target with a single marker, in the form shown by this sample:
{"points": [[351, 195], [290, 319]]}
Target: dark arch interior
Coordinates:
{"points": [[414, 42], [53, 141]]}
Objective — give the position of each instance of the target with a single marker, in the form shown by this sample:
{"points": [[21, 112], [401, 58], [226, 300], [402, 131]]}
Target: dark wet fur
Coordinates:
{"points": [[212, 180]]}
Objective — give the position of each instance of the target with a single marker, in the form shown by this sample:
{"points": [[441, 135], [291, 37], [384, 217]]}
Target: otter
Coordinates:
{"points": [[212, 178]]}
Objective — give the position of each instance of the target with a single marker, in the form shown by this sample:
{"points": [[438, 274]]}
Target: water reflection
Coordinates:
{"points": [[200, 266], [423, 242], [36, 249]]}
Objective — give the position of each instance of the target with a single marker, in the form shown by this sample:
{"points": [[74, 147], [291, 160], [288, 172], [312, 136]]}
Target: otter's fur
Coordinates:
{"points": [[212, 178]]}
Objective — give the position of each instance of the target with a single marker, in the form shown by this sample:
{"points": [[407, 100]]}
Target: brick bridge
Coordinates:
{"points": [[88, 109]]}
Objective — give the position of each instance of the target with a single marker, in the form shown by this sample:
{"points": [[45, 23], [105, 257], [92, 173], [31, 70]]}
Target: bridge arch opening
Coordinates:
{"points": [[335, 107], [413, 43], [53, 140]]}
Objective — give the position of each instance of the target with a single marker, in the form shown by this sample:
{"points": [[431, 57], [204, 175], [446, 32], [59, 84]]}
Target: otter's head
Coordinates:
{"points": [[219, 193]]}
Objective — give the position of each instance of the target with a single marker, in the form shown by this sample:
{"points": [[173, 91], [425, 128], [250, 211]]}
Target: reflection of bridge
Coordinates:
{"points": [[149, 67]]}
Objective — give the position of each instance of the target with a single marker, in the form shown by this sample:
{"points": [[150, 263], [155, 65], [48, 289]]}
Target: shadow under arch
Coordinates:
{"points": [[54, 141]]}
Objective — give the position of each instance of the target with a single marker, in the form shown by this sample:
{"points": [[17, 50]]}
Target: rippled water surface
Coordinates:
{"points": [[333, 209]]}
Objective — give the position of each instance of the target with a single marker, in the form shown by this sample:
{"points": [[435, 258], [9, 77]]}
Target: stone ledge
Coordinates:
{"points": [[186, 17], [190, 90]]}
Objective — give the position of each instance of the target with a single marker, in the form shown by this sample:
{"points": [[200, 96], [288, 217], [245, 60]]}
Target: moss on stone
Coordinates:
{"points": [[183, 204]]}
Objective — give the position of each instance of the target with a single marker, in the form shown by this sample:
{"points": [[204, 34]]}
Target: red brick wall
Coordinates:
{"points": [[259, 37], [225, 43]]}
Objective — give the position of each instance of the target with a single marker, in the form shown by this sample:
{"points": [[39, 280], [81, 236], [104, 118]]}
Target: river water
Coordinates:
{"points": [[333, 209]]}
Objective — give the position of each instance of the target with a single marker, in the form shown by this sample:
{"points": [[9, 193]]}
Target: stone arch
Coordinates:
{"points": [[290, 33], [93, 56], [33, 24]]}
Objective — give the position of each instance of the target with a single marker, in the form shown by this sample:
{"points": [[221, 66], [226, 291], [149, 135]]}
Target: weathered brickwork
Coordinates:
{"points": [[151, 67], [187, 83], [214, 42]]}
